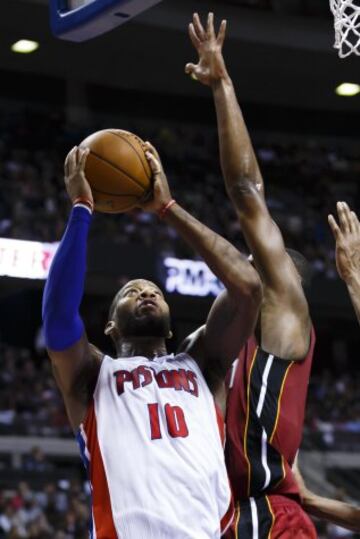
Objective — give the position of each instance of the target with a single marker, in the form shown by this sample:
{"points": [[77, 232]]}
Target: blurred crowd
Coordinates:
{"points": [[52, 511], [303, 182], [335, 399], [30, 402], [333, 411]]}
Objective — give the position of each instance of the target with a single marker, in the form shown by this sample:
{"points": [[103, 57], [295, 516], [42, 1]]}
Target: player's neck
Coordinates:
{"points": [[149, 347]]}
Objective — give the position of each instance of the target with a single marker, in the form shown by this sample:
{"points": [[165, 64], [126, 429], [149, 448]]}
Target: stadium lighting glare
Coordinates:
{"points": [[24, 46], [348, 89]]}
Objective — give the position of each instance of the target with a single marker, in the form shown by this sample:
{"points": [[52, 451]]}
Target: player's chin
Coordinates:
{"points": [[148, 317]]}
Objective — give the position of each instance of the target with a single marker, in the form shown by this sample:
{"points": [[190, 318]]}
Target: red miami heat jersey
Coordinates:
{"points": [[153, 451], [264, 424]]}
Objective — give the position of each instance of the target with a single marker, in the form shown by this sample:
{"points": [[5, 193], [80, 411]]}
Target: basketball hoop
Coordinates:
{"points": [[347, 26]]}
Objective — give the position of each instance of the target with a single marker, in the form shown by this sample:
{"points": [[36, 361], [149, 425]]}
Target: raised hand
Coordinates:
{"points": [[161, 192], [347, 237], [76, 183], [211, 66]]}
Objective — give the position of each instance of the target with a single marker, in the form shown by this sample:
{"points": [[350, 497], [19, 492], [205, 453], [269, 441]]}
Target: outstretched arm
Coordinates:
{"points": [[237, 156], [334, 511], [347, 251], [284, 298], [234, 313], [75, 363]]}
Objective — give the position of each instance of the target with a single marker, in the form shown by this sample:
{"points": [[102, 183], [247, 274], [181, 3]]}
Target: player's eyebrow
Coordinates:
{"points": [[138, 287], [128, 289]]}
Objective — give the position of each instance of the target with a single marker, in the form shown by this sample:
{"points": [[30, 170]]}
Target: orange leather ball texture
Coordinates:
{"points": [[117, 170]]}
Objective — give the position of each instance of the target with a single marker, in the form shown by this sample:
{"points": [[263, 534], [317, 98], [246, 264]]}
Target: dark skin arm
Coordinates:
{"points": [[234, 313], [76, 368], [285, 320], [334, 511]]}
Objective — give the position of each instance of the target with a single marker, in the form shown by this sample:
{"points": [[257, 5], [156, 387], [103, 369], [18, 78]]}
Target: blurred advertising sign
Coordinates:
{"points": [[190, 278], [32, 260], [26, 259]]}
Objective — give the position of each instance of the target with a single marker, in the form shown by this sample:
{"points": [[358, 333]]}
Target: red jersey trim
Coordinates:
{"points": [[102, 511], [247, 421]]}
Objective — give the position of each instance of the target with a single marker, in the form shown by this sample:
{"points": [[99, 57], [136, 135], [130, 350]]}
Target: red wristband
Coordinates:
{"points": [[85, 201], [161, 213]]}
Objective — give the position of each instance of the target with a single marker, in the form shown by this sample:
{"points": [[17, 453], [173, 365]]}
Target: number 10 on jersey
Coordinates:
{"points": [[175, 421]]}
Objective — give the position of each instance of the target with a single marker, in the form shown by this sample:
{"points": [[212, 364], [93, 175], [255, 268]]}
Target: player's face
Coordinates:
{"points": [[141, 311]]}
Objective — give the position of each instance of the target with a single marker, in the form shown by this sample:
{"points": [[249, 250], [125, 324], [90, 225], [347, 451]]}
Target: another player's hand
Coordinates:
{"points": [[161, 192], [211, 66], [347, 237], [303, 491], [76, 183]]}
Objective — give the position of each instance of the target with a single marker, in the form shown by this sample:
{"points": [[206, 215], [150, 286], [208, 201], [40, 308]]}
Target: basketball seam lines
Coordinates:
{"points": [[116, 168], [133, 147]]}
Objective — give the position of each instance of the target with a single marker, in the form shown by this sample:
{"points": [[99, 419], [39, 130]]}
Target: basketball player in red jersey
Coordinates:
{"points": [[347, 253], [268, 383]]}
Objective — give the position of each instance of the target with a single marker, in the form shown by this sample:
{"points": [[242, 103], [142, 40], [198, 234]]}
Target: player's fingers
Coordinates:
{"points": [[193, 37], [150, 148], [200, 32], [349, 217], [352, 219], [210, 31], [70, 161], [153, 162], [190, 69], [222, 33], [355, 221], [334, 227], [343, 217], [83, 153]]}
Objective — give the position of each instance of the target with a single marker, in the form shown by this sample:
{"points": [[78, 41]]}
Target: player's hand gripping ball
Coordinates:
{"points": [[117, 170]]}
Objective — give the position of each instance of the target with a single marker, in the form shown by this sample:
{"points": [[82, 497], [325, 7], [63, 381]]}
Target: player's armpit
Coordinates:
{"points": [[290, 337], [76, 370]]}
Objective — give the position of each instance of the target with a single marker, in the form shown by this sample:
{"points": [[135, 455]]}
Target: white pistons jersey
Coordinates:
{"points": [[152, 447]]}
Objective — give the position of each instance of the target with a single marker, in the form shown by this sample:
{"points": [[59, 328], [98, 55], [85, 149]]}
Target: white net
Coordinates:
{"points": [[347, 26]]}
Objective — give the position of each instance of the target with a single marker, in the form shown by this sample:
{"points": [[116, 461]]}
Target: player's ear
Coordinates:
{"points": [[170, 335], [111, 329]]}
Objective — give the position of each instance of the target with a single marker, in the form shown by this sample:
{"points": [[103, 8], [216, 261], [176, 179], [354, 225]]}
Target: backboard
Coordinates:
{"points": [[80, 20]]}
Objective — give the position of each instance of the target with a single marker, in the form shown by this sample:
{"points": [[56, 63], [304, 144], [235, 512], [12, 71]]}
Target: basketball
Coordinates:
{"points": [[117, 170]]}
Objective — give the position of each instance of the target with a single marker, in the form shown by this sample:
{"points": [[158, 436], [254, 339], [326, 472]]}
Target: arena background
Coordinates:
{"points": [[281, 58]]}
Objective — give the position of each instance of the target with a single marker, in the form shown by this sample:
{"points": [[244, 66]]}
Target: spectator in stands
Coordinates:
{"points": [[36, 461]]}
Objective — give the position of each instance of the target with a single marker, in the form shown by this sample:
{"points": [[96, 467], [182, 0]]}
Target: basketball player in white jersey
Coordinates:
{"points": [[146, 422]]}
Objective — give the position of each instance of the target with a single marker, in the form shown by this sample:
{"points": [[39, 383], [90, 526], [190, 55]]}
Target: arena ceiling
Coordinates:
{"points": [[275, 57]]}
